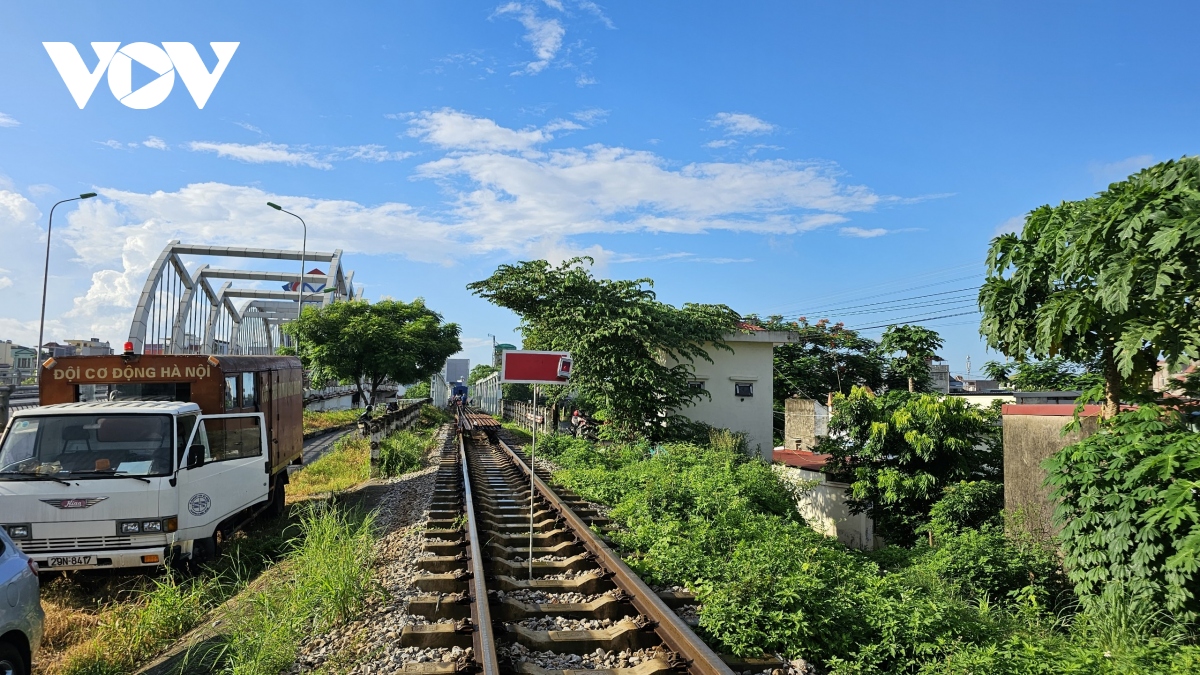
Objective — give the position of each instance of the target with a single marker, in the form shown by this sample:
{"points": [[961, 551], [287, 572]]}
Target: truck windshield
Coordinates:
{"points": [[87, 446]]}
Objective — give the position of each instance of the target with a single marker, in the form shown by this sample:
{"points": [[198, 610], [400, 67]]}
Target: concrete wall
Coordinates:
{"points": [[1029, 439], [805, 421], [752, 363], [824, 508]]}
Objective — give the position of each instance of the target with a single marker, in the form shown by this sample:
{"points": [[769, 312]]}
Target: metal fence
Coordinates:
{"points": [[487, 394], [526, 415], [377, 428]]}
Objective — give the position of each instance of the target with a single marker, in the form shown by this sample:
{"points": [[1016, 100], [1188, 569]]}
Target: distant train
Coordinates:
{"points": [[459, 391]]}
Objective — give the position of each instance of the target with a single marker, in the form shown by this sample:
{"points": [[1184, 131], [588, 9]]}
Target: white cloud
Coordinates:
{"points": [[584, 80], [371, 153], [16, 211], [741, 124], [863, 233], [593, 8], [544, 35], [261, 153], [41, 189], [5, 281], [681, 256], [455, 130], [1121, 169], [155, 142], [590, 115], [8, 121], [115, 145], [721, 143], [504, 194], [249, 127]]}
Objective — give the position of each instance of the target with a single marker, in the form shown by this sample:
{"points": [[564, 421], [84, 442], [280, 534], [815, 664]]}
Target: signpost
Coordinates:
{"points": [[534, 367]]}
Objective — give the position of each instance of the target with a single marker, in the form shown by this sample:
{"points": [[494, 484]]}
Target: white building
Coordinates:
{"points": [[740, 386], [457, 370], [823, 504]]}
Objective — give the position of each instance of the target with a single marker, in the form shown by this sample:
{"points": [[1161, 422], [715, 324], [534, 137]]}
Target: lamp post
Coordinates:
{"points": [[303, 251], [46, 279]]}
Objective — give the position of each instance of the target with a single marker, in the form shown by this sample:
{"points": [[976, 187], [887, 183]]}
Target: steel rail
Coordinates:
{"points": [[702, 660], [481, 615]]}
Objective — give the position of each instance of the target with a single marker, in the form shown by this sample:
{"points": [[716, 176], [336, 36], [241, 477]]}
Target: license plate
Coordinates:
{"points": [[71, 561]]}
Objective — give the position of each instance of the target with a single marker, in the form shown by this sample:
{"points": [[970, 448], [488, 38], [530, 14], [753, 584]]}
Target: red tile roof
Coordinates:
{"points": [[749, 326], [805, 459]]}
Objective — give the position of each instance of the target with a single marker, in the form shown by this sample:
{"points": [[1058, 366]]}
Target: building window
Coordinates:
{"points": [[743, 389], [696, 384]]}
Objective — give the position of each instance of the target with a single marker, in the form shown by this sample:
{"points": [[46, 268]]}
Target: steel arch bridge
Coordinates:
{"points": [[184, 313]]}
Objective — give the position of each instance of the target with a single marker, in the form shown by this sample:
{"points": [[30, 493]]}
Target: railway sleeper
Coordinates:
{"points": [[627, 634], [576, 563], [588, 584], [604, 607], [438, 635], [651, 667]]}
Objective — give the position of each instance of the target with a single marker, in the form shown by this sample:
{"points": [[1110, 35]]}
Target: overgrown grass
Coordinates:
{"points": [[148, 614], [343, 467], [404, 451], [323, 582], [980, 601], [329, 419], [521, 434]]}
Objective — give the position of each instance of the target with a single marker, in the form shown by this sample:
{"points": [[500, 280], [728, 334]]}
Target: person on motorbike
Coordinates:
{"points": [[578, 424]]}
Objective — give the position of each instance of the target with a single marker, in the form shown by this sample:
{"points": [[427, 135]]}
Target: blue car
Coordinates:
{"points": [[21, 613]]}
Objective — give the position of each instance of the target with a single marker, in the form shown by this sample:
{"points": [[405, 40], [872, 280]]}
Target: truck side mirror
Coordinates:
{"points": [[195, 456]]}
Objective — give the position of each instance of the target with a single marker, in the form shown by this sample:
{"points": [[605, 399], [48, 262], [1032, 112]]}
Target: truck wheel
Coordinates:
{"points": [[205, 550], [277, 506], [11, 661]]}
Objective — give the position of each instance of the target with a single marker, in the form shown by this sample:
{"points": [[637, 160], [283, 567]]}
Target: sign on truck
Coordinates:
{"points": [[139, 460]]}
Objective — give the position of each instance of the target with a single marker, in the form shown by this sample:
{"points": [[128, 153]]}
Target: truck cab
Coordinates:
{"points": [[111, 484]]}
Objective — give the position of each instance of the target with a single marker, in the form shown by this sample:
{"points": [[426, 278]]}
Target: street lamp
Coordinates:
{"points": [[303, 251], [45, 280]]}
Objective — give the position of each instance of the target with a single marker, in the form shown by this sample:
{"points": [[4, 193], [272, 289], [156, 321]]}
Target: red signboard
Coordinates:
{"points": [[530, 367]]}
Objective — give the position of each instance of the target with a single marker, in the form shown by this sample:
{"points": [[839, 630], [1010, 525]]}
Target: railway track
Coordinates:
{"points": [[538, 600]]}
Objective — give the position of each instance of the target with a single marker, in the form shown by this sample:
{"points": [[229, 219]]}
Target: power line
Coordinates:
{"points": [[915, 305], [911, 320], [886, 302], [820, 304]]}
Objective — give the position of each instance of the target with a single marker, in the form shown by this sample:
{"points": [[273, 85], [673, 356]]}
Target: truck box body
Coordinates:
{"points": [[272, 385], [137, 460]]}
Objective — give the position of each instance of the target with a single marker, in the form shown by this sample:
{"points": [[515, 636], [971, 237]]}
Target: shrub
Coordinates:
{"points": [[1129, 509], [899, 451], [967, 504]]}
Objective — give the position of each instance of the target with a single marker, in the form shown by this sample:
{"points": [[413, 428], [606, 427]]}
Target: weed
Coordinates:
{"points": [[346, 465], [404, 451], [315, 421], [323, 582]]}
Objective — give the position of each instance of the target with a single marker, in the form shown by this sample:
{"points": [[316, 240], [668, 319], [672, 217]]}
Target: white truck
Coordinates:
{"points": [[110, 484]]}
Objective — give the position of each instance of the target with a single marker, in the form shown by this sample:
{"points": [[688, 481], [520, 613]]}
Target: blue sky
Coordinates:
{"points": [[791, 157]]}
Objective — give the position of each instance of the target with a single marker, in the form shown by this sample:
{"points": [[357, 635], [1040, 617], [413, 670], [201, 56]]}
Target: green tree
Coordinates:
{"points": [[899, 451], [1129, 509], [421, 389], [828, 358], [918, 345], [372, 343], [1052, 374], [1112, 278], [480, 371], [632, 354]]}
